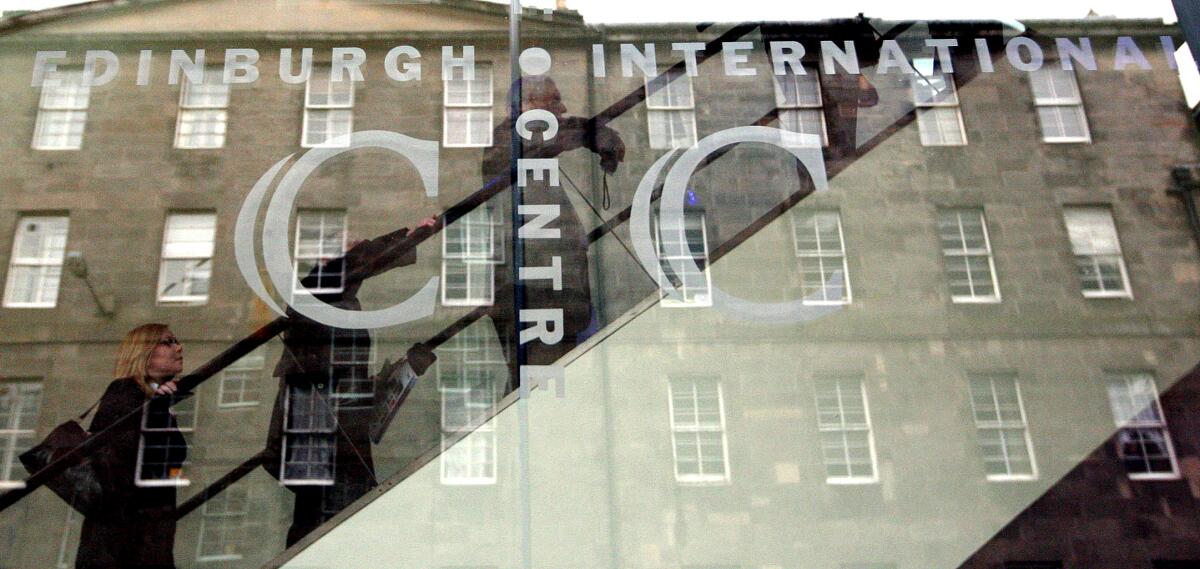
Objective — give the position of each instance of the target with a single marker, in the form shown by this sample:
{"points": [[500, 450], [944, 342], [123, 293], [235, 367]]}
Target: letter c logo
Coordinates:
{"points": [[278, 260]]}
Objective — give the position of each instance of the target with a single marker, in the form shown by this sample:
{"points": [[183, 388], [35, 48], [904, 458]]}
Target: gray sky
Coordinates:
{"points": [[645, 11]]}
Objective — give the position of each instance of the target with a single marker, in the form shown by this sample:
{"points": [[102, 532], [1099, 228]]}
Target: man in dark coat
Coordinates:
{"points": [[575, 296], [319, 443]]}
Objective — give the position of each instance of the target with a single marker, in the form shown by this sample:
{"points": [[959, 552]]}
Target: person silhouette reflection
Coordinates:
{"points": [[574, 298], [319, 441]]}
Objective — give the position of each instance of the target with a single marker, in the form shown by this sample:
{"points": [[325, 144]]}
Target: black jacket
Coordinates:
{"points": [[137, 528]]}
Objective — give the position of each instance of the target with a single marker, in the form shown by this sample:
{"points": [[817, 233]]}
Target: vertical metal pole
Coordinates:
{"points": [[518, 260]]}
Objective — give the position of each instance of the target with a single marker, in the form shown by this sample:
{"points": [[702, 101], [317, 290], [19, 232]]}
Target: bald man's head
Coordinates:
{"points": [[540, 92]]}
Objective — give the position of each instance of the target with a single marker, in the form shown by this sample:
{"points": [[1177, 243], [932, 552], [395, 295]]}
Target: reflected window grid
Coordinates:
{"points": [[470, 252], [1097, 249], [470, 370], [240, 384], [821, 254], [671, 113], [35, 268], [328, 110], [225, 531], [186, 270], [970, 266], [203, 114], [309, 439], [801, 108], [62, 112], [350, 368], [688, 242], [159, 450], [68, 544], [20, 402], [844, 422], [467, 108], [939, 116], [1143, 441], [698, 439], [1003, 428], [1059, 105], [320, 237]]}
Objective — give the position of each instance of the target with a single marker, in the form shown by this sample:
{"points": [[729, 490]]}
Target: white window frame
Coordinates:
{"points": [[335, 141], [689, 300], [821, 255], [194, 403], [1126, 379], [843, 427], [67, 80], [319, 258], [1082, 250], [966, 253], [927, 111], [1059, 102], [693, 430], [1002, 425], [688, 110], [791, 80], [472, 350], [320, 434], [252, 364], [209, 516], [168, 256], [470, 108], [214, 77], [477, 264], [68, 544], [47, 263], [10, 450]]}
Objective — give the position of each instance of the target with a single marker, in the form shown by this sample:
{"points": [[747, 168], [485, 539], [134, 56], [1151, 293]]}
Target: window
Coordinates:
{"points": [[1003, 431], [224, 531], [320, 237], [847, 446], [241, 381], [939, 117], [35, 269], [470, 371], [68, 544], [187, 258], [671, 112], [1143, 441], [470, 252], [467, 115], [202, 112], [800, 108], [1059, 105], [1097, 252], [697, 412], [970, 268], [350, 368], [686, 246], [328, 110], [309, 439], [20, 402], [821, 252], [62, 112], [162, 453]]}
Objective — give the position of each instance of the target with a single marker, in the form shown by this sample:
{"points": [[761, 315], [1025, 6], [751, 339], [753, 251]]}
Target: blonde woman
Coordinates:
{"points": [[137, 526]]}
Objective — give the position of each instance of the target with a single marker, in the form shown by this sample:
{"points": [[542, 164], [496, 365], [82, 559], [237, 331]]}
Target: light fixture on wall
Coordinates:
{"points": [[77, 266]]}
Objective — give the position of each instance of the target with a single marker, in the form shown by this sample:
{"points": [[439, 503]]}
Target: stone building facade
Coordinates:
{"points": [[945, 387]]}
